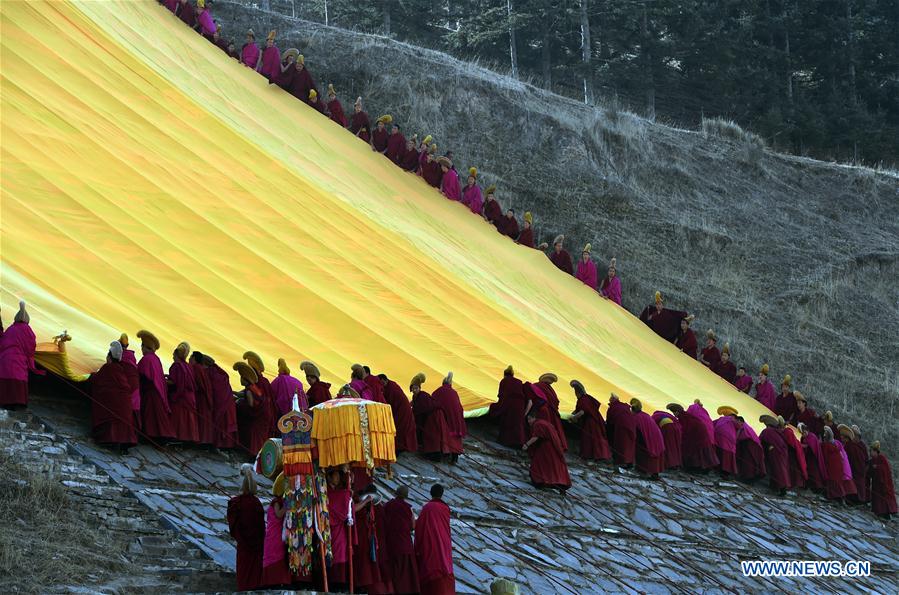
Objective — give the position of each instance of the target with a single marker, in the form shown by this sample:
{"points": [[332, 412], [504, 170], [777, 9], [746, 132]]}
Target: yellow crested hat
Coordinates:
{"points": [[658, 297], [473, 172], [528, 217], [282, 366], [255, 361], [727, 410]]}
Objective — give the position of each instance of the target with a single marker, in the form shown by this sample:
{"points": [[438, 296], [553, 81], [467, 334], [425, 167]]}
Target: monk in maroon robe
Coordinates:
{"points": [[434, 546], [560, 257], [686, 338], [550, 411], [187, 13], [182, 396], [726, 368], [750, 452], [447, 399], [318, 391], [806, 415], [380, 135], [510, 225], [776, 454], [246, 523], [664, 322], [726, 440], [880, 483], [594, 442], [796, 455], [431, 170], [155, 409], [857, 453], [396, 144], [111, 388], [548, 466], [785, 403], [366, 549], [359, 122], [253, 423], [204, 398], [509, 410], [409, 157], [302, 82], [698, 444], [650, 455], [814, 458], [400, 519], [315, 103], [267, 394], [710, 356], [430, 421], [621, 427], [526, 237], [838, 483], [335, 108], [224, 419], [493, 213], [403, 419], [672, 434]]}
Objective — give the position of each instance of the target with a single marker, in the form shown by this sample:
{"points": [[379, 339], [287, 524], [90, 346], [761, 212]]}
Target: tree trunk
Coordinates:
{"points": [[851, 52], [387, 17], [586, 50], [546, 58], [326, 13], [647, 67], [787, 57], [513, 51]]}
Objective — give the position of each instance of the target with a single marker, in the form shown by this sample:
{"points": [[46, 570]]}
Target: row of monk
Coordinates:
{"points": [[195, 403], [396, 552]]}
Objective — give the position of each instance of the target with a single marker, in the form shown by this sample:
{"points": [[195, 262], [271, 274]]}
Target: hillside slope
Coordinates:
{"points": [[793, 261]]}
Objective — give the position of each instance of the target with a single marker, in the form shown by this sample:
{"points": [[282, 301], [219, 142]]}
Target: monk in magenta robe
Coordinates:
{"points": [[777, 460], [172, 5], [224, 418], [359, 122], [785, 402], [610, 287], [205, 400], [434, 546], [366, 547], [726, 440], [447, 399], [403, 418], [750, 452], [698, 445], [275, 568], [187, 13], [129, 359], [764, 390], [246, 523], [339, 502], [250, 56], [17, 347], [335, 108], [471, 194], [318, 391], [396, 144], [375, 385], [270, 67], [857, 453], [155, 409], [672, 435], [621, 427], [284, 387], [302, 81], [686, 338], [449, 182], [814, 459], [253, 423], [266, 396], [410, 157], [586, 269], [743, 381], [880, 483], [430, 421], [526, 237], [379, 136], [398, 516], [806, 415], [664, 322], [111, 388], [182, 396], [548, 466], [550, 410], [838, 483], [509, 410], [711, 356], [650, 453], [726, 368], [560, 256], [594, 442], [796, 457], [204, 20], [493, 213]]}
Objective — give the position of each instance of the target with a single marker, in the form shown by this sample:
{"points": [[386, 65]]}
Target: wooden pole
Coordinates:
{"points": [[352, 528]]}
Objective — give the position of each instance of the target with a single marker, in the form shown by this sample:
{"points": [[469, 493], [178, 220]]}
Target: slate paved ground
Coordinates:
{"points": [[613, 531]]}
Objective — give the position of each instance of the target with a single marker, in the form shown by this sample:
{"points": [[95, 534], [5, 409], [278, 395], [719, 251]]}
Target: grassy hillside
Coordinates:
{"points": [[794, 262]]}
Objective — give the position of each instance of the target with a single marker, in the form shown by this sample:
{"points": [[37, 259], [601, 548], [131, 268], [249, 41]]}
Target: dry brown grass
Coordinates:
{"points": [[46, 542]]}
